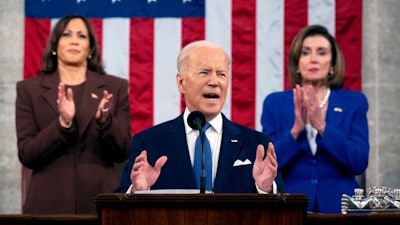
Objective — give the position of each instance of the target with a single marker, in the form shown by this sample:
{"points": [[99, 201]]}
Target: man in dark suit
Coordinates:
{"points": [[243, 160]]}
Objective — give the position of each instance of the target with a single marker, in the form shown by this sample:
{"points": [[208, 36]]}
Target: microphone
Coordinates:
{"points": [[196, 120]]}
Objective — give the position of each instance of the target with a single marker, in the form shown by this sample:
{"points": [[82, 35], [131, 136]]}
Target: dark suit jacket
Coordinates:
{"points": [[342, 151], [70, 166], [169, 139]]}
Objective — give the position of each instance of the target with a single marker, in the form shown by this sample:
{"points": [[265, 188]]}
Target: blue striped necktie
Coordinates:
{"points": [[208, 159]]}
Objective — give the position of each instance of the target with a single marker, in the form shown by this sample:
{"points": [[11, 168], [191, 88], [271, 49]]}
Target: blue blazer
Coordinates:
{"points": [[169, 139], [342, 152]]}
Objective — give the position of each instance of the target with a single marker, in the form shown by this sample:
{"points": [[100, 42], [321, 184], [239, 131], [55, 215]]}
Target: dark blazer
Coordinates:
{"points": [[70, 166], [169, 139], [342, 152]]}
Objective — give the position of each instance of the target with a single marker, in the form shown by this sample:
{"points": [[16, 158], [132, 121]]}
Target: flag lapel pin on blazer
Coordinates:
{"points": [[94, 96], [337, 109]]}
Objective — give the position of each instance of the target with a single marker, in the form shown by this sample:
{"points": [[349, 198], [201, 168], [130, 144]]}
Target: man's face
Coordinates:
{"points": [[204, 81]]}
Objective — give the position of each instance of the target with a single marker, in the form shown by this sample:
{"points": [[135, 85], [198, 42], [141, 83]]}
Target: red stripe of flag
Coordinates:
{"points": [[141, 75], [97, 25], [295, 19], [36, 34], [243, 62], [349, 37]]}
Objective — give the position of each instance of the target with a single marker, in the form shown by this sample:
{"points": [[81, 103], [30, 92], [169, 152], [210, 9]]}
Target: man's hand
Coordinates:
{"points": [[143, 175], [265, 169]]}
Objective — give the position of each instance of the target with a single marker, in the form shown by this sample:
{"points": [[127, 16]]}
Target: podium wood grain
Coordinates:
{"points": [[199, 209]]}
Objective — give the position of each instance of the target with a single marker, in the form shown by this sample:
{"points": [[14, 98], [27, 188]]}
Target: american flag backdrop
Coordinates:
{"points": [[140, 41]]}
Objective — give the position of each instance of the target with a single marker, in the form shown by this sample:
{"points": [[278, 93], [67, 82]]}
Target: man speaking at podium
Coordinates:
{"points": [[241, 160]]}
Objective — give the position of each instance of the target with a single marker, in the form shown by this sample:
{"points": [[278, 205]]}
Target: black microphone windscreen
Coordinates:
{"points": [[196, 120]]}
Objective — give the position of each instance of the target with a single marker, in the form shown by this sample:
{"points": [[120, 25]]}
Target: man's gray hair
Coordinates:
{"points": [[188, 49]]}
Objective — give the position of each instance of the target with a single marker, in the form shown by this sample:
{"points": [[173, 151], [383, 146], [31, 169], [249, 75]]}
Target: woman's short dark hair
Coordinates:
{"points": [[335, 80], [49, 60]]}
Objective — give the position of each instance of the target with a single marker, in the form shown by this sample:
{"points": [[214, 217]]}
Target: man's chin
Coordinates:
{"points": [[211, 114]]}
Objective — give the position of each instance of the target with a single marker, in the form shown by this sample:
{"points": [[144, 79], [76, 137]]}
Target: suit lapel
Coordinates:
{"points": [[176, 136], [92, 95], [230, 147], [50, 86], [336, 109]]}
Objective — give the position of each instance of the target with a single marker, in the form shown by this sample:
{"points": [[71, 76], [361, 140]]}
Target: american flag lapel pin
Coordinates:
{"points": [[94, 95], [337, 109]]}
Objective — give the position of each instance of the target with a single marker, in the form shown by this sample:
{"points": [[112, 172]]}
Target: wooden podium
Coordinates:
{"points": [[199, 209]]}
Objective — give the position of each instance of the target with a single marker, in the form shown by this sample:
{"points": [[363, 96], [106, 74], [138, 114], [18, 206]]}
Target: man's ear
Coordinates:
{"points": [[180, 81]]}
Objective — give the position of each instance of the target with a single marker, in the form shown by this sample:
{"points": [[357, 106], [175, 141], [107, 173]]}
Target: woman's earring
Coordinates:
{"points": [[54, 53], [331, 71], [297, 71], [89, 56]]}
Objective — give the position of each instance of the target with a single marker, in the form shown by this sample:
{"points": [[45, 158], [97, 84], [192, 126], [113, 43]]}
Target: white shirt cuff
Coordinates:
{"points": [[129, 190], [274, 189]]}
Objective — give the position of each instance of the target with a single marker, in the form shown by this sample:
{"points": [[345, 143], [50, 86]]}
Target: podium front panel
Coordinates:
{"points": [[199, 209]]}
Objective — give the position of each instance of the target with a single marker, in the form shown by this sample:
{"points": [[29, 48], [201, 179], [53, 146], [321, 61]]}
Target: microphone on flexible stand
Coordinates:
{"points": [[196, 120]]}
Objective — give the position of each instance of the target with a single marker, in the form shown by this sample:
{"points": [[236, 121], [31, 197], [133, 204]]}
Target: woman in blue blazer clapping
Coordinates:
{"points": [[320, 130]]}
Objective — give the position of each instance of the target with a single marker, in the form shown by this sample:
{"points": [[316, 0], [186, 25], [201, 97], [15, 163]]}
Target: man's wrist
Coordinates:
{"points": [[274, 189]]}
